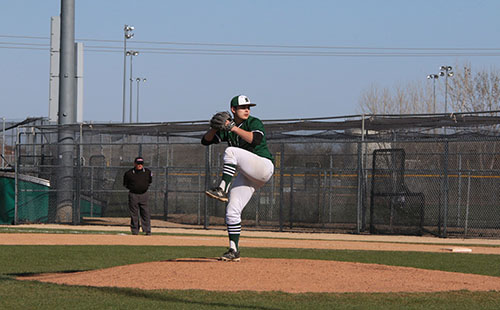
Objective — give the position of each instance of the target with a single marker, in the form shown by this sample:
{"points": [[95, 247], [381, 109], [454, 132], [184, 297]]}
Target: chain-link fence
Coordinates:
{"points": [[447, 184]]}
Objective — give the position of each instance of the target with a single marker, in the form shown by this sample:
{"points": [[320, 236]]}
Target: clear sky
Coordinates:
{"points": [[324, 79]]}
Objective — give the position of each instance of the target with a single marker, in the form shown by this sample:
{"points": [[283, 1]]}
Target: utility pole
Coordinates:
{"points": [[66, 115]]}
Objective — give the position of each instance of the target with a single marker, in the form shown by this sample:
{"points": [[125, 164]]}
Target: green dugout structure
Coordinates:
{"points": [[33, 197]]}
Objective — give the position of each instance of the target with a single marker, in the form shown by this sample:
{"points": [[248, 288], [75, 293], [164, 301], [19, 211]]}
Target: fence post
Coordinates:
{"points": [[16, 177], [320, 203], [459, 198], [359, 196], [466, 225], [446, 188], [91, 189], [208, 160], [78, 186], [198, 212], [330, 191], [281, 186], [3, 142], [291, 201], [165, 196]]}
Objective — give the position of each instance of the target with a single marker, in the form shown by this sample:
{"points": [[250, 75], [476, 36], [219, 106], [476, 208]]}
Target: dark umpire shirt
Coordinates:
{"points": [[137, 181]]}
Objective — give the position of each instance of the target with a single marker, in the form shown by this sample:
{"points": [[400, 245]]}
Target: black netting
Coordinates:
{"points": [[401, 174], [393, 207]]}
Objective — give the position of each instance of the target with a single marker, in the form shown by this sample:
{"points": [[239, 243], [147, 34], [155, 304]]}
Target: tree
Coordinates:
{"points": [[469, 92], [472, 93], [404, 99]]}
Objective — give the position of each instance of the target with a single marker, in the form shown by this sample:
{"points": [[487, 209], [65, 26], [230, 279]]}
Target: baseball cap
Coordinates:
{"points": [[139, 160], [241, 100]]}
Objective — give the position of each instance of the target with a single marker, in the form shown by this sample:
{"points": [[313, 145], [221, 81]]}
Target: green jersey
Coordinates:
{"points": [[251, 124]]}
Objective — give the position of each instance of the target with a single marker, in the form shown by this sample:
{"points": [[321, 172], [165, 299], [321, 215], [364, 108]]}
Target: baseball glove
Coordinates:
{"points": [[220, 121]]}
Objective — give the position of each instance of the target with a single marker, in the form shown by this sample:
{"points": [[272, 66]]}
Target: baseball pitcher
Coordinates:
{"points": [[247, 153]]}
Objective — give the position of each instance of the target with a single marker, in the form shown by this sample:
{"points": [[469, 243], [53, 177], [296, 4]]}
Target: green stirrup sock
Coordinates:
{"points": [[234, 235], [227, 176]]}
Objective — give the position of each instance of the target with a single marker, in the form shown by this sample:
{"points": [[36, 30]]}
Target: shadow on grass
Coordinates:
{"points": [[167, 297], [29, 274], [195, 298]]}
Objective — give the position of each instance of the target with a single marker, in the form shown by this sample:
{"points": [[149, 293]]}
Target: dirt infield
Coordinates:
{"points": [[254, 274], [286, 275]]}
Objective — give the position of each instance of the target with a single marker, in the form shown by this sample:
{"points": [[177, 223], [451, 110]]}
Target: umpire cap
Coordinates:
{"points": [[139, 160]]}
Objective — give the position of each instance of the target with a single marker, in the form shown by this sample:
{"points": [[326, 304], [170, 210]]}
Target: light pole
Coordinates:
{"points": [[127, 35], [433, 77], [446, 72], [131, 54], [138, 80]]}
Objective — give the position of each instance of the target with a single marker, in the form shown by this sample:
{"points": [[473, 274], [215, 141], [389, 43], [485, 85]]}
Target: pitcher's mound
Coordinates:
{"points": [[287, 275]]}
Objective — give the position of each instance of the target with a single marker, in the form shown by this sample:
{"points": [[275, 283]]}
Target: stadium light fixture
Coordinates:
{"points": [[132, 53]]}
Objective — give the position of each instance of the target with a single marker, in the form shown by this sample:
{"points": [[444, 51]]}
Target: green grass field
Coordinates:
{"points": [[24, 260]]}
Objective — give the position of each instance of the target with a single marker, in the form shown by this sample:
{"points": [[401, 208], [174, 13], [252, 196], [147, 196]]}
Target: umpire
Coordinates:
{"points": [[137, 181]]}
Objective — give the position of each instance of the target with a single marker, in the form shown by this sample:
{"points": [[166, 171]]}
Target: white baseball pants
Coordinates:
{"points": [[253, 172]]}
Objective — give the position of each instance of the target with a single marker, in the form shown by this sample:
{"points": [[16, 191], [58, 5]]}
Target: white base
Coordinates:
{"points": [[458, 250]]}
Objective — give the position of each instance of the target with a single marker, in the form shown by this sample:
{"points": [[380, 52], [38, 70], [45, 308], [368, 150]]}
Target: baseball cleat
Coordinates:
{"points": [[217, 193], [230, 256]]}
